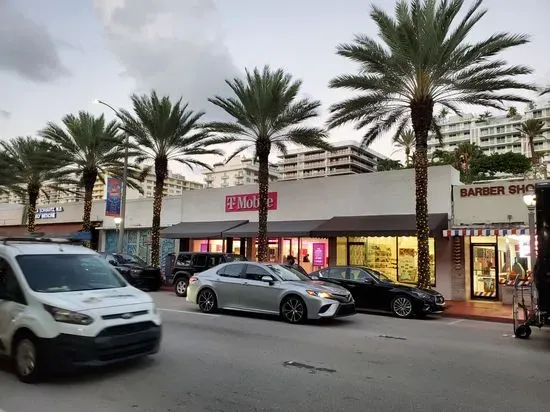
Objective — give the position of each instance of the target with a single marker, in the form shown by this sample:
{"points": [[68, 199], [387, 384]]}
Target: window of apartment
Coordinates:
{"points": [[500, 139], [500, 129], [484, 131], [452, 135], [484, 140], [537, 113], [466, 133]]}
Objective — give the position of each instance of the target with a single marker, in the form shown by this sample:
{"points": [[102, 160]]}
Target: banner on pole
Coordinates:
{"points": [[112, 203]]}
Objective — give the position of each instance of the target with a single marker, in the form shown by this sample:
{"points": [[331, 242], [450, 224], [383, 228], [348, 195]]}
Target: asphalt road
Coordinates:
{"points": [[232, 362]]}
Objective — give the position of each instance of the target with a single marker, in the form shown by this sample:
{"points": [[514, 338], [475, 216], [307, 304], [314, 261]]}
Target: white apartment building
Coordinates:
{"points": [[349, 157], [238, 171], [174, 185], [496, 134]]}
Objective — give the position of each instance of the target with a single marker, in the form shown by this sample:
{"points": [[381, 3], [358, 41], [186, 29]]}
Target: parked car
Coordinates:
{"points": [[268, 288], [63, 304], [136, 271], [372, 290], [189, 263]]}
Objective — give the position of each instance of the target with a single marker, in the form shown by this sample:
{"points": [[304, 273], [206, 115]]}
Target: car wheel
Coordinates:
{"points": [[207, 301], [293, 310], [26, 358], [402, 307], [523, 332], [180, 287]]}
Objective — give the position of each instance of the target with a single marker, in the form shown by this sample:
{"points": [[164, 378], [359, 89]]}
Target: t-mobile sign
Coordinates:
{"points": [[249, 202]]}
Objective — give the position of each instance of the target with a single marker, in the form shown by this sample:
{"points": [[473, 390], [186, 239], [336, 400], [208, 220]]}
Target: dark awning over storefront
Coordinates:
{"points": [[383, 225], [297, 228], [200, 230]]}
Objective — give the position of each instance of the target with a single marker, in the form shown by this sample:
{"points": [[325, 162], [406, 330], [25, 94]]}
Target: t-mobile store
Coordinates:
{"points": [[491, 241], [365, 219]]}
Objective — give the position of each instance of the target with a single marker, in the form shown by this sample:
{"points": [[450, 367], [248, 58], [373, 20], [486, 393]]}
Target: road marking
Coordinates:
{"points": [[186, 311], [454, 322]]}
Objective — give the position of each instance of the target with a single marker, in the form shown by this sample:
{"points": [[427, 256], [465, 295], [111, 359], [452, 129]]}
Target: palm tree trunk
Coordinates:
{"points": [[33, 191], [407, 156], [89, 178], [262, 150], [532, 150], [161, 169], [421, 116]]}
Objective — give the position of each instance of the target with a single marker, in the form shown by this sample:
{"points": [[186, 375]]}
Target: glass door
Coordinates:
{"points": [[484, 271]]}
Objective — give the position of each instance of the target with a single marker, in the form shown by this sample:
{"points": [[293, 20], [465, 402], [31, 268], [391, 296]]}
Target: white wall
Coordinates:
{"points": [[493, 203], [381, 193]]}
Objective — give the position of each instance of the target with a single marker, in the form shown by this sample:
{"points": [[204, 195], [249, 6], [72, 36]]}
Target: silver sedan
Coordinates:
{"points": [[270, 289]]}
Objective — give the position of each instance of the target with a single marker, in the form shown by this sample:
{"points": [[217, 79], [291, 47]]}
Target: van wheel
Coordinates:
{"points": [[27, 358], [180, 287]]}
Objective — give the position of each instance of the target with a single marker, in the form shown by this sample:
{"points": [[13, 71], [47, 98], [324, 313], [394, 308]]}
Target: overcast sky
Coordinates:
{"points": [[57, 56]]}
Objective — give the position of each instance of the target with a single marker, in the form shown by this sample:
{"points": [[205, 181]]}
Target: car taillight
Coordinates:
{"points": [[193, 279]]}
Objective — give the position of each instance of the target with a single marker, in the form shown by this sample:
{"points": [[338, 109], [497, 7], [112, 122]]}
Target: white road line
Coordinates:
{"points": [[454, 322], [186, 311]]}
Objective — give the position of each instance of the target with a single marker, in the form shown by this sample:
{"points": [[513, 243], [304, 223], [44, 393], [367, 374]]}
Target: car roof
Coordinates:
{"points": [[15, 248]]}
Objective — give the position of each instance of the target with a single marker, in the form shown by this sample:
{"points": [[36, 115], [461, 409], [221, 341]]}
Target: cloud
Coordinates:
{"points": [[26, 47], [4, 114], [173, 46]]}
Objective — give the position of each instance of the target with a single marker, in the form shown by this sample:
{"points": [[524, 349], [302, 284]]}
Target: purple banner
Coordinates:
{"points": [[319, 254], [112, 203], [204, 247]]}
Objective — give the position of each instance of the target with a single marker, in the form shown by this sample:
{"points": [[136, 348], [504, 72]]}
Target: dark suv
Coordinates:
{"points": [[188, 264], [135, 271]]}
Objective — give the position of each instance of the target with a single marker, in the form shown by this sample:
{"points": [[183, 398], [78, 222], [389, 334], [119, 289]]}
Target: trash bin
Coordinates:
{"points": [[168, 266]]}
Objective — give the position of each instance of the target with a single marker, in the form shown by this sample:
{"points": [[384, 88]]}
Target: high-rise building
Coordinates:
{"points": [[238, 171], [348, 157], [498, 134], [174, 185]]}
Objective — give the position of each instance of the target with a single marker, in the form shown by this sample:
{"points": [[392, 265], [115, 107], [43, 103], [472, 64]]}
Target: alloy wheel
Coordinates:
{"points": [[181, 287], [207, 300], [25, 357], [402, 307], [293, 310]]}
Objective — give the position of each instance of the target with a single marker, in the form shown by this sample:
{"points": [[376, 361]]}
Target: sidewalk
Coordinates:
{"points": [[487, 311]]}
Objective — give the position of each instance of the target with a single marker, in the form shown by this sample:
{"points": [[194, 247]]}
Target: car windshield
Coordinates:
{"points": [[129, 259], [380, 276], [287, 274], [68, 273]]}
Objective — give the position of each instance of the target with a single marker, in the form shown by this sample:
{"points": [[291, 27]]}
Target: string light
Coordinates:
{"points": [[422, 227]]}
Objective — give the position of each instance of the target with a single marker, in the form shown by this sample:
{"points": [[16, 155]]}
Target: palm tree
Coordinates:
{"points": [[267, 114], [530, 130], [512, 112], [464, 154], [35, 166], [388, 164], [164, 131], [423, 60], [545, 91], [406, 141], [95, 149]]}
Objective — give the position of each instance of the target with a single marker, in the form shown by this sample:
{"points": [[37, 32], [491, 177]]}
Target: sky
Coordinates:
{"points": [[57, 56]]}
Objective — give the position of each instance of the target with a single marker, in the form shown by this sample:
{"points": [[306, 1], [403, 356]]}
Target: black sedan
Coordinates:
{"points": [[374, 291], [136, 271]]}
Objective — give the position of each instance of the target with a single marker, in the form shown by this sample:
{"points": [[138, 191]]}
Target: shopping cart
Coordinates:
{"points": [[526, 312]]}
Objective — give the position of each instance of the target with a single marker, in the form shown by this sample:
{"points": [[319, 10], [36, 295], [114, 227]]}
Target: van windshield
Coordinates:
{"points": [[68, 273]]}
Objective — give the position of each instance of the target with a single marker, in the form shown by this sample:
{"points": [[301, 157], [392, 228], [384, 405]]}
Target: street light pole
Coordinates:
{"points": [[530, 201], [121, 227]]}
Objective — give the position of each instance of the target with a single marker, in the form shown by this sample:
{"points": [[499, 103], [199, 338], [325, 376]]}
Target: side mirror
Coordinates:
{"points": [[314, 277], [113, 262], [368, 281], [268, 279]]}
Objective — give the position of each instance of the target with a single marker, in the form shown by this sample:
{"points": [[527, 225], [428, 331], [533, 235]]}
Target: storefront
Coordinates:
{"points": [[491, 239]]}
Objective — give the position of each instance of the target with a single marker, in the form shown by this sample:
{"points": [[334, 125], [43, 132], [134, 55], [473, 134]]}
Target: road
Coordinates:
{"points": [[231, 362]]}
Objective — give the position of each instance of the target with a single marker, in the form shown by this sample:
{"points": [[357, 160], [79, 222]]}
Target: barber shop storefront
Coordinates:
{"points": [[491, 239]]}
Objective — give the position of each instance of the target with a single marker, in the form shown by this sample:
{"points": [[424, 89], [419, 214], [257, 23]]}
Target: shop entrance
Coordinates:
{"points": [[356, 254], [484, 271]]}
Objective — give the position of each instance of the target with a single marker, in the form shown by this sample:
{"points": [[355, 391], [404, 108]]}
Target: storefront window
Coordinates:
{"points": [[313, 253], [407, 260], [273, 250], [208, 245]]}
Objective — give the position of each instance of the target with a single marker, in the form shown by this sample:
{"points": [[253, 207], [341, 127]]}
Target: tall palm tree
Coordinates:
{"points": [[424, 59], [35, 166], [530, 129], [464, 154], [512, 112], [95, 149], [267, 114], [406, 141], [164, 131]]}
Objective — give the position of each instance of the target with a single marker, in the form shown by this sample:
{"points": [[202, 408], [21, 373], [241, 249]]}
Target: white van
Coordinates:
{"points": [[61, 303]]}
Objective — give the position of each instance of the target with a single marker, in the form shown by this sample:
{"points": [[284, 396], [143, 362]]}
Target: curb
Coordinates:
{"points": [[484, 318]]}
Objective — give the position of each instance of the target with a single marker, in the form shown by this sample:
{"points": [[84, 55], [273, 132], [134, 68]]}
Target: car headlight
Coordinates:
{"points": [[324, 295], [68, 316], [420, 294]]}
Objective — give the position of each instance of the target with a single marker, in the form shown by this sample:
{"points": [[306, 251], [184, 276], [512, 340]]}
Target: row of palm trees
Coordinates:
{"points": [[422, 61]]}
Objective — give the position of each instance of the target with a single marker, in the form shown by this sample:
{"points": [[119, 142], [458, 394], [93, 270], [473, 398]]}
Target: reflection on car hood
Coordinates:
{"points": [[96, 299], [412, 288], [320, 286], [134, 266]]}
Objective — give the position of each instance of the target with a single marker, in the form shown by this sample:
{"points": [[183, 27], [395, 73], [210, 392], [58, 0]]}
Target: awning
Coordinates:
{"points": [[484, 232], [380, 225], [200, 230], [296, 228]]}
